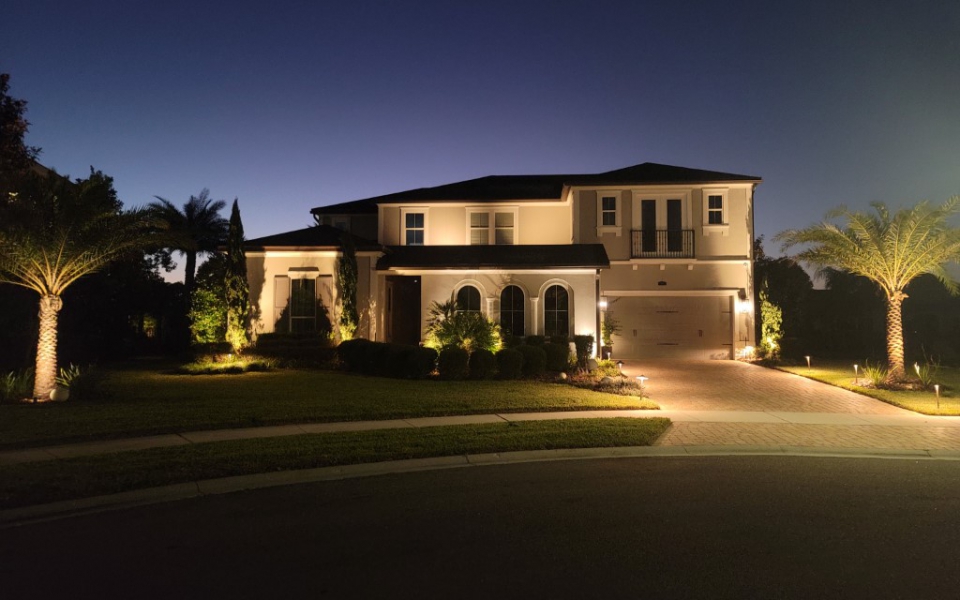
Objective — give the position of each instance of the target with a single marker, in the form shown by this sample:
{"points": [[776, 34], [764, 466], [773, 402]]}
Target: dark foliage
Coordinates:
{"points": [[453, 363], [510, 363], [557, 356], [534, 360], [483, 364]]}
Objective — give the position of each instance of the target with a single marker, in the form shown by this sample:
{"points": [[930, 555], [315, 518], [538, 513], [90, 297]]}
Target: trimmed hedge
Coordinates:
{"points": [[510, 363], [300, 348], [534, 360], [584, 344], [534, 340], [557, 356], [453, 363], [483, 364], [422, 362]]}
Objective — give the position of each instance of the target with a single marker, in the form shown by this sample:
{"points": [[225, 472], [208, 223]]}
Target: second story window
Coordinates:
{"points": [[492, 227], [479, 229], [608, 211], [715, 209], [413, 225]]}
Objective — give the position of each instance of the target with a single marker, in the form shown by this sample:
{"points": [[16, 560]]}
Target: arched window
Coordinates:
{"points": [[511, 311], [556, 311], [468, 299]]}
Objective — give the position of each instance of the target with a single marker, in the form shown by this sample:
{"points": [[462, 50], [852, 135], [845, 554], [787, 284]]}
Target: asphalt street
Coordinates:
{"points": [[692, 527]]}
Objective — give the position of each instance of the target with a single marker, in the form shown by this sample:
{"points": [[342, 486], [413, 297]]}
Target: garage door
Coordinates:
{"points": [[673, 327]]}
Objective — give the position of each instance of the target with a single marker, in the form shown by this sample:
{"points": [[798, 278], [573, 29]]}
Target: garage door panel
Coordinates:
{"points": [[673, 327]]}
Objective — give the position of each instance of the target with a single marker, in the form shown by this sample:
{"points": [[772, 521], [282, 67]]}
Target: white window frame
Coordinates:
{"points": [[403, 224], [661, 198], [616, 229], [492, 212], [716, 228]]}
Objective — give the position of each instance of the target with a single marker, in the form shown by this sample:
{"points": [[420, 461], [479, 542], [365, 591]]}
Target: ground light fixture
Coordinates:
{"points": [[642, 379], [856, 374], [936, 390], [808, 360]]}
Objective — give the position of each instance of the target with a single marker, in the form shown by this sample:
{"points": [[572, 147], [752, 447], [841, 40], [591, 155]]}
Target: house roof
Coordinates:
{"points": [[496, 188], [527, 256], [318, 236]]}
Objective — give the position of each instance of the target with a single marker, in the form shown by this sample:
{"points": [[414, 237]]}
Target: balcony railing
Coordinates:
{"points": [[661, 243]]}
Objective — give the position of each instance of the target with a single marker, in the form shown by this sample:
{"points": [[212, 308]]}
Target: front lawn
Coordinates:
{"points": [[921, 401], [142, 401], [34, 483]]}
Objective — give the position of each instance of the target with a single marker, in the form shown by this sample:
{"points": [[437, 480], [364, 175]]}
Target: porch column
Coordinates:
{"points": [[535, 315]]}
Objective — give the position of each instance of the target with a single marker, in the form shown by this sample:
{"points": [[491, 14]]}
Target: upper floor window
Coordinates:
{"points": [[468, 299], [608, 212], [715, 209], [496, 226], [414, 225]]}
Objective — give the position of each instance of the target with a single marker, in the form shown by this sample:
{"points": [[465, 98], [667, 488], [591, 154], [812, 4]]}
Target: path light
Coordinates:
{"points": [[936, 389], [642, 379], [856, 374], [808, 360], [620, 367]]}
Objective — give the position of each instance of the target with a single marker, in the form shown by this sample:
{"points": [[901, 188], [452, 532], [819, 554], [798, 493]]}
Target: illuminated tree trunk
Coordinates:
{"points": [[45, 378], [895, 335]]}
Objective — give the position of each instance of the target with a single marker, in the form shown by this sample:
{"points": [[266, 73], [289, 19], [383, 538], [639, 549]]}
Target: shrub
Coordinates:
{"points": [[16, 386], [352, 354], [422, 362], [534, 360], [511, 341], [453, 363], [483, 364], [584, 345], [375, 359], [607, 368], [535, 340], [557, 356], [300, 349], [510, 363], [927, 371], [398, 360], [449, 326], [876, 374], [560, 339]]}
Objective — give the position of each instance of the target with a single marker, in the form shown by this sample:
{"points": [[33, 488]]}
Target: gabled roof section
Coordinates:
{"points": [[527, 256], [318, 237], [499, 188]]}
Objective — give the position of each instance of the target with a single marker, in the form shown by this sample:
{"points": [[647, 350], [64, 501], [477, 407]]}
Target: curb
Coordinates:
{"points": [[182, 491]]}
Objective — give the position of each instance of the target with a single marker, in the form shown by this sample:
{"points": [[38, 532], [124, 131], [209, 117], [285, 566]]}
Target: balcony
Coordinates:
{"points": [[661, 243]]}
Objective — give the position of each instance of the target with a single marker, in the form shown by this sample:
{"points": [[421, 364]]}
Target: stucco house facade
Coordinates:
{"points": [[667, 251]]}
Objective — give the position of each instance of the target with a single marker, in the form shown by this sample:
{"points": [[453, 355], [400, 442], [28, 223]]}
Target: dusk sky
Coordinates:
{"points": [[288, 106]]}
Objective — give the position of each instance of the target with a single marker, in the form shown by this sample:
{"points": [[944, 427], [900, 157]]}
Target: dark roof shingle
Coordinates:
{"points": [[496, 188], [318, 236]]}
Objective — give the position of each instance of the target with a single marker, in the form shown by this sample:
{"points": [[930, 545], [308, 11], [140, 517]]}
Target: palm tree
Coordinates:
{"points": [[52, 233], [889, 249], [197, 229]]}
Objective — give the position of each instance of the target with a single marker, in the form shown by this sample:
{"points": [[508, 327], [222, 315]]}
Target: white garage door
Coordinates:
{"points": [[697, 327]]}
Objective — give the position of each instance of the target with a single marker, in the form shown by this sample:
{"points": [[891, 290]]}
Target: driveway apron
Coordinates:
{"points": [[733, 385]]}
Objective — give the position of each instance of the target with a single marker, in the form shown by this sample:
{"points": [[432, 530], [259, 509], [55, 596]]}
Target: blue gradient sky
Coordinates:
{"points": [[291, 105]]}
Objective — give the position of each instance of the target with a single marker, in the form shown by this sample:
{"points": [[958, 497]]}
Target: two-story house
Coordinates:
{"points": [[667, 251]]}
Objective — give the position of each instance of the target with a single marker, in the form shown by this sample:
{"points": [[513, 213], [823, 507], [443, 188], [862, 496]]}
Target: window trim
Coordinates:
{"points": [[711, 228], [617, 228], [543, 305], [403, 224], [523, 307]]}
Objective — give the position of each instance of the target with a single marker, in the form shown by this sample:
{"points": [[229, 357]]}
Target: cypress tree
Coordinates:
{"points": [[237, 288]]}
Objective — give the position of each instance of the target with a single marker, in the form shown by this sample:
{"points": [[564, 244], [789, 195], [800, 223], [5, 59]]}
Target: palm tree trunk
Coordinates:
{"points": [[190, 271], [895, 336], [45, 377]]}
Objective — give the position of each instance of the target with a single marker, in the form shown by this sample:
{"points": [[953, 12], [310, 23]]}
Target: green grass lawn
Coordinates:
{"points": [[841, 374], [144, 401], [34, 483]]}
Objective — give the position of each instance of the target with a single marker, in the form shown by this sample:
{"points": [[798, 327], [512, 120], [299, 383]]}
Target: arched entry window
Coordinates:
{"points": [[468, 299], [511, 311], [556, 311]]}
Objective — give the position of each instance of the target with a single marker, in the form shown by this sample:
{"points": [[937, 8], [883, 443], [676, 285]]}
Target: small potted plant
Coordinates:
{"points": [[608, 328]]}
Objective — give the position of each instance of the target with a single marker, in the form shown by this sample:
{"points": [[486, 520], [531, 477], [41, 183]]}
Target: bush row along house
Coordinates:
{"points": [[666, 250]]}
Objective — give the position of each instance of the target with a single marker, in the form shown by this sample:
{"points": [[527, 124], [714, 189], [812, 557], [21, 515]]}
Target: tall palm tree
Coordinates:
{"points": [[52, 233], [889, 249], [197, 229]]}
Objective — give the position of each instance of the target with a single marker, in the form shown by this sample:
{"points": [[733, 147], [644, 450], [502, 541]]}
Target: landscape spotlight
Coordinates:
{"points": [[808, 360]]}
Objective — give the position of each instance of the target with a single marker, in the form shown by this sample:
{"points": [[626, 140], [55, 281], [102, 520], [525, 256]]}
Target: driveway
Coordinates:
{"points": [[734, 385]]}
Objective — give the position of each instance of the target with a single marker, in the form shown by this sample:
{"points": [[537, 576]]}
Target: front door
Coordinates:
{"points": [[402, 314]]}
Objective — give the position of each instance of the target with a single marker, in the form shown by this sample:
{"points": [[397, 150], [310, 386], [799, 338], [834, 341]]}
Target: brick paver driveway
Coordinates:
{"points": [[733, 385]]}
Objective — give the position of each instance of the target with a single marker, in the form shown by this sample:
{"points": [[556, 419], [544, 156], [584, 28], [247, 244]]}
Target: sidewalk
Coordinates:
{"points": [[775, 430]]}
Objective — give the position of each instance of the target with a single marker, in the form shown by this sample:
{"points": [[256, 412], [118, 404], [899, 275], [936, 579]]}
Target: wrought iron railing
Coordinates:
{"points": [[661, 243]]}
